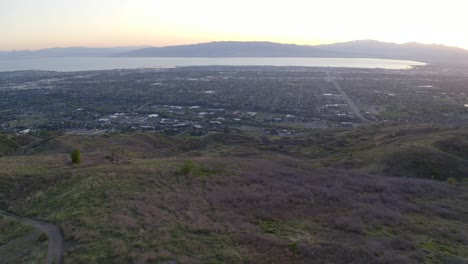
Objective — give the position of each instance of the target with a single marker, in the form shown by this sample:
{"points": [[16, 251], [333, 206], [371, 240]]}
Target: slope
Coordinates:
{"points": [[229, 198]]}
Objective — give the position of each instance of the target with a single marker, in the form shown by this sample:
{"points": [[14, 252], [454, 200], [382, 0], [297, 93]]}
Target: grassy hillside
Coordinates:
{"points": [[226, 198], [7, 145], [402, 151], [21, 242]]}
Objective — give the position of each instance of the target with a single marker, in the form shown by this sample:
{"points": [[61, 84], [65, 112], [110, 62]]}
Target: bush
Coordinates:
{"points": [[294, 248], [42, 237], [189, 167], [452, 181], [193, 168], [75, 156]]}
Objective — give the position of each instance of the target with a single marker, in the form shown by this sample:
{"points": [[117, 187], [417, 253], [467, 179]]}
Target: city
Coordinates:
{"points": [[200, 100]]}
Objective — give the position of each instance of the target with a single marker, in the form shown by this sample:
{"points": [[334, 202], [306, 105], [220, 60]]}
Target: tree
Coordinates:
{"points": [[75, 156]]}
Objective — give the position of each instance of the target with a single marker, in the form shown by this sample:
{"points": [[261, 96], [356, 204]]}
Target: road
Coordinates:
{"points": [[351, 104], [54, 235]]}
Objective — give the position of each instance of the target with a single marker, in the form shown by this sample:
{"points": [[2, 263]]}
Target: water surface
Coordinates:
{"points": [[109, 63]]}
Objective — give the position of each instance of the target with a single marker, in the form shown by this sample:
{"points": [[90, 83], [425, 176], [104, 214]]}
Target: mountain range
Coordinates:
{"points": [[429, 53], [66, 52]]}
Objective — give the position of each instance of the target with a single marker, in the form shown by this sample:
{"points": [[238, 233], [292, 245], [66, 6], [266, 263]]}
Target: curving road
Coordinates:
{"points": [[54, 234]]}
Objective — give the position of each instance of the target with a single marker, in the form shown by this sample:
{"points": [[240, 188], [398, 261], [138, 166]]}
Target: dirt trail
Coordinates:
{"points": [[53, 232]]}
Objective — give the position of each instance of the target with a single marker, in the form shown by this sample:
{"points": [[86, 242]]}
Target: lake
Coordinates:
{"points": [[109, 63]]}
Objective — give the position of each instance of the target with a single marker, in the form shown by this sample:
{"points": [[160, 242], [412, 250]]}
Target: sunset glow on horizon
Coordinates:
{"points": [[31, 24]]}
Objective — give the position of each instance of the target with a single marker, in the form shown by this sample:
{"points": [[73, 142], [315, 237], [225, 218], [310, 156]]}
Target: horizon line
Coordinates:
{"points": [[220, 41]]}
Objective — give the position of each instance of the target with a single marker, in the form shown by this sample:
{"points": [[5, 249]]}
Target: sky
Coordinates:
{"points": [[36, 24]]}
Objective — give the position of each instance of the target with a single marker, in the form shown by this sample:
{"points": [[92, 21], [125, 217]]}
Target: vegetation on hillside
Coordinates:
{"points": [[7, 145], [19, 242], [75, 156], [333, 196]]}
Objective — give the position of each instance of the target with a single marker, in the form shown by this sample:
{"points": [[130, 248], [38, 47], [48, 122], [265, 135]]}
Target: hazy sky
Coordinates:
{"points": [[34, 24]]}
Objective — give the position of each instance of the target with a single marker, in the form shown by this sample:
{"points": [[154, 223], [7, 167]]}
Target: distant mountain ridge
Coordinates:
{"points": [[236, 49], [66, 52], [353, 49], [430, 53]]}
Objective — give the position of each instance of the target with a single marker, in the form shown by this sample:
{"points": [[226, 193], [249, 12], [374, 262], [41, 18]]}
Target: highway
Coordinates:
{"points": [[351, 104]]}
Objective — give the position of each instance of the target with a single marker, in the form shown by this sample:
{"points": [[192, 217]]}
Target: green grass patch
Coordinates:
{"points": [[276, 228], [439, 248], [196, 169], [9, 229]]}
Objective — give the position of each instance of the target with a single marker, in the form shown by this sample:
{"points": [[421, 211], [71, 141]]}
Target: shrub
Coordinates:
{"points": [[42, 237], [75, 156], [452, 181], [294, 248], [188, 167], [191, 167]]}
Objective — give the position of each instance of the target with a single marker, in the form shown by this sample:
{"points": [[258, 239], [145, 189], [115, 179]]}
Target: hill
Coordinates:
{"points": [[353, 49], [323, 197], [416, 151], [238, 49], [235, 49], [7, 145], [409, 51], [65, 52]]}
